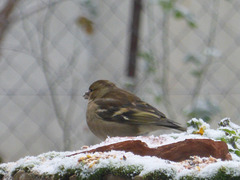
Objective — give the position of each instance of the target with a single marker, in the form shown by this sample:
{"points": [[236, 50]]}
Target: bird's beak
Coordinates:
{"points": [[86, 95]]}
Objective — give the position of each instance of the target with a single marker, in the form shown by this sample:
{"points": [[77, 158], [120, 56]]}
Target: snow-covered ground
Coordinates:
{"points": [[86, 164]]}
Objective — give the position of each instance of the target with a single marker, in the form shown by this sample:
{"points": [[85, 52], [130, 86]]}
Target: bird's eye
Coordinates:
{"points": [[90, 90]]}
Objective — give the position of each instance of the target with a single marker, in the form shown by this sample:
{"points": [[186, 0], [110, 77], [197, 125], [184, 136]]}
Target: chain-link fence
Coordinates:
{"points": [[51, 51]]}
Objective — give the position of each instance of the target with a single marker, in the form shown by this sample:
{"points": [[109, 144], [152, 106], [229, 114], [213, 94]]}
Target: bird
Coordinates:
{"points": [[112, 111]]}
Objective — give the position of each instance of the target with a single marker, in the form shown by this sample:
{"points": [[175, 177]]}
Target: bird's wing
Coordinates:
{"points": [[137, 112]]}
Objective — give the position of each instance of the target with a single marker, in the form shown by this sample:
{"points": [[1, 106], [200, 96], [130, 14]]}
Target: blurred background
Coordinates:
{"points": [[180, 56]]}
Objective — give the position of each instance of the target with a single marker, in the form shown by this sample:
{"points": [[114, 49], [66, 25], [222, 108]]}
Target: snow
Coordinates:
{"points": [[58, 162], [214, 134]]}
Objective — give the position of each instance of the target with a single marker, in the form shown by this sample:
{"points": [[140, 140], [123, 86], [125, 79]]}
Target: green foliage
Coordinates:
{"points": [[51, 155], [122, 171], [181, 13], [133, 171], [201, 63], [193, 58], [90, 6], [231, 130], [26, 169], [178, 12], [204, 111], [196, 124], [232, 137], [167, 5], [159, 174], [237, 152], [198, 61], [158, 98], [2, 172], [224, 174], [64, 174], [150, 69], [225, 122], [126, 171], [149, 60], [98, 174]]}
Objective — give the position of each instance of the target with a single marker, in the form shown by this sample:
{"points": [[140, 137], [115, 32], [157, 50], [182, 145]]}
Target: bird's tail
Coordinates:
{"points": [[175, 125]]}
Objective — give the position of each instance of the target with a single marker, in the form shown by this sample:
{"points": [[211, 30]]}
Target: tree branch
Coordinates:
{"points": [[165, 64], [63, 123], [209, 58], [5, 17]]}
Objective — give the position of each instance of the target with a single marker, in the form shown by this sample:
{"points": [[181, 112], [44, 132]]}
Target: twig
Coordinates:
{"points": [[5, 17], [40, 6], [209, 58], [56, 104], [165, 64]]}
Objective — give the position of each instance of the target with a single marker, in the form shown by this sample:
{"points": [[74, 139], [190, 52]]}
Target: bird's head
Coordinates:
{"points": [[98, 89]]}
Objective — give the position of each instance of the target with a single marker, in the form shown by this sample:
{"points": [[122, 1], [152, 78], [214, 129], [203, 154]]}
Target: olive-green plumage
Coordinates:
{"points": [[115, 112]]}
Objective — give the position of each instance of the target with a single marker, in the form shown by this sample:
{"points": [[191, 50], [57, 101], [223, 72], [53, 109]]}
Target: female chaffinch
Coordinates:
{"points": [[113, 111]]}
